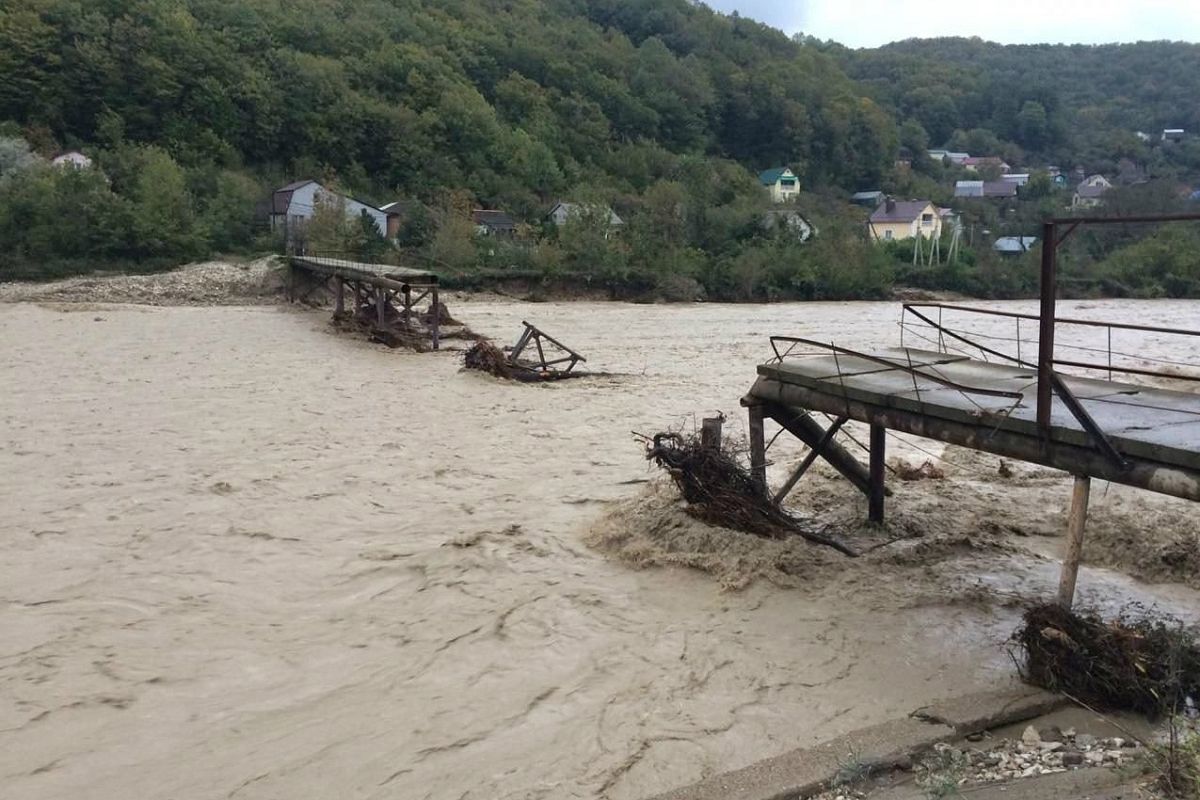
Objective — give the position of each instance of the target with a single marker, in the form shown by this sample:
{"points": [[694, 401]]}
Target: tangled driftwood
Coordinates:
{"points": [[487, 357], [1149, 665], [719, 490]]}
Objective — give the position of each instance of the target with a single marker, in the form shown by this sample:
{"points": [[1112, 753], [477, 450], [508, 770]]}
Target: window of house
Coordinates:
{"points": [[887, 234], [787, 183], [926, 220]]}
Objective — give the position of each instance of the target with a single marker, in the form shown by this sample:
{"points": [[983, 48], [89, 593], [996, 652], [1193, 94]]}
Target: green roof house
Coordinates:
{"points": [[781, 182]]}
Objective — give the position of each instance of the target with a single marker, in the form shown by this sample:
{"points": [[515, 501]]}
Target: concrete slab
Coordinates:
{"points": [[803, 772], [984, 711]]}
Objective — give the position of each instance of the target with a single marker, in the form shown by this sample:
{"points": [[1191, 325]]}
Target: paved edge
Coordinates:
{"points": [[983, 711], [806, 771]]}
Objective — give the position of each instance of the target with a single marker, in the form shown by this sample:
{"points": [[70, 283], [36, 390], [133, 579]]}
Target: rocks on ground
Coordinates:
{"points": [[208, 283], [1036, 752]]}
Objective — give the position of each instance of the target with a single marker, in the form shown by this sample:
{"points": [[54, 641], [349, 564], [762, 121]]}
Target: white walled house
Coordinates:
{"points": [[563, 212], [781, 183], [295, 204]]}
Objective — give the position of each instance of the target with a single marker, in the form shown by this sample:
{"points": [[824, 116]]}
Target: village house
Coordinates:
{"points": [[1089, 196], [396, 211], [992, 189], [999, 189], [490, 222], [294, 205], [1018, 178], [964, 189], [974, 164], [1173, 134], [74, 159], [1090, 192], [905, 219], [781, 183], [948, 156], [563, 212]]}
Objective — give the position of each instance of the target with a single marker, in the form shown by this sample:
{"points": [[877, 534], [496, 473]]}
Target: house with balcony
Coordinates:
{"points": [[781, 183], [905, 219]]}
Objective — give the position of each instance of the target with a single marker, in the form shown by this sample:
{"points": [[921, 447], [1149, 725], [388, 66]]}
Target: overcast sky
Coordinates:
{"points": [[870, 23]]}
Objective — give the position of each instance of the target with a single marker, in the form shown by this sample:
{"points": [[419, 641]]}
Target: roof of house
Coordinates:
{"points": [[871, 195], [999, 189], [575, 208], [1087, 191], [493, 218], [294, 185], [768, 177], [281, 198], [900, 211], [968, 188], [1014, 244]]}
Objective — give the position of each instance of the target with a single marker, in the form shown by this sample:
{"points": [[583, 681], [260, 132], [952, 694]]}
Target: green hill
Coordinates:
{"points": [[663, 109]]}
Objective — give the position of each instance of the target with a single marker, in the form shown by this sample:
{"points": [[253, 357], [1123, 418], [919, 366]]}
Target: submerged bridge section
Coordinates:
{"points": [[383, 297]]}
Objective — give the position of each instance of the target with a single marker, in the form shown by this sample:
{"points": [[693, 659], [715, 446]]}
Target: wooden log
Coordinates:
{"points": [[813, 454], [522, 342], [435, 330], [758, 446], [340, 308], [710, 433], [1076, 524], [878, 453], [799, 424], [380, 306]]}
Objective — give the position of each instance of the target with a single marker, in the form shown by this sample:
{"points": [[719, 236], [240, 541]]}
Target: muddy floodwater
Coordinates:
{"points": [[243, 556]]}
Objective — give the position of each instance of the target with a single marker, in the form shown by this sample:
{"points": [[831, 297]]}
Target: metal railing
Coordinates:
{"points": [[969, 339]]}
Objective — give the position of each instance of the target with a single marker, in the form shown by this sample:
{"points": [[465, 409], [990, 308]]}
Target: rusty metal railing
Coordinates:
{"points": [[1109, 366]]}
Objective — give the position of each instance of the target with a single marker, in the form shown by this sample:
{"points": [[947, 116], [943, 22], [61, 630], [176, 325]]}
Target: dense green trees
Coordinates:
{"points": [[661, 109]]}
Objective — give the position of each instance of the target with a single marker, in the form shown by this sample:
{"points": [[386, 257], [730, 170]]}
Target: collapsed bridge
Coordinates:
{"points": [[966, 390]]}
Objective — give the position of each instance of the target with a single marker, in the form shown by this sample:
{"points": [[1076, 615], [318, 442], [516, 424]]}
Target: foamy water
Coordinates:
{"points": [[245, 557]]}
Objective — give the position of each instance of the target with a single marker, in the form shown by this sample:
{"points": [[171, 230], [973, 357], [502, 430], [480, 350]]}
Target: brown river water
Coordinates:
{"points": [[243, 556]]}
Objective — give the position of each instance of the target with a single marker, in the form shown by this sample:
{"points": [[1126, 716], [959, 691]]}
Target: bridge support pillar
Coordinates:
{"points": [[1073, 552], [877, 488], [758, 446]]}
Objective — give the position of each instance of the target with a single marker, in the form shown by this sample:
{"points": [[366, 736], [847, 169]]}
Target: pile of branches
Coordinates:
{"points": [[1149, 665], [720, 491], [486, 357]]}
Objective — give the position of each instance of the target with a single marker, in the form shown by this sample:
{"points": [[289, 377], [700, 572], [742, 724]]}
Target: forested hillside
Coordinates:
{"points": [[193, 110], [1059, 104]]}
